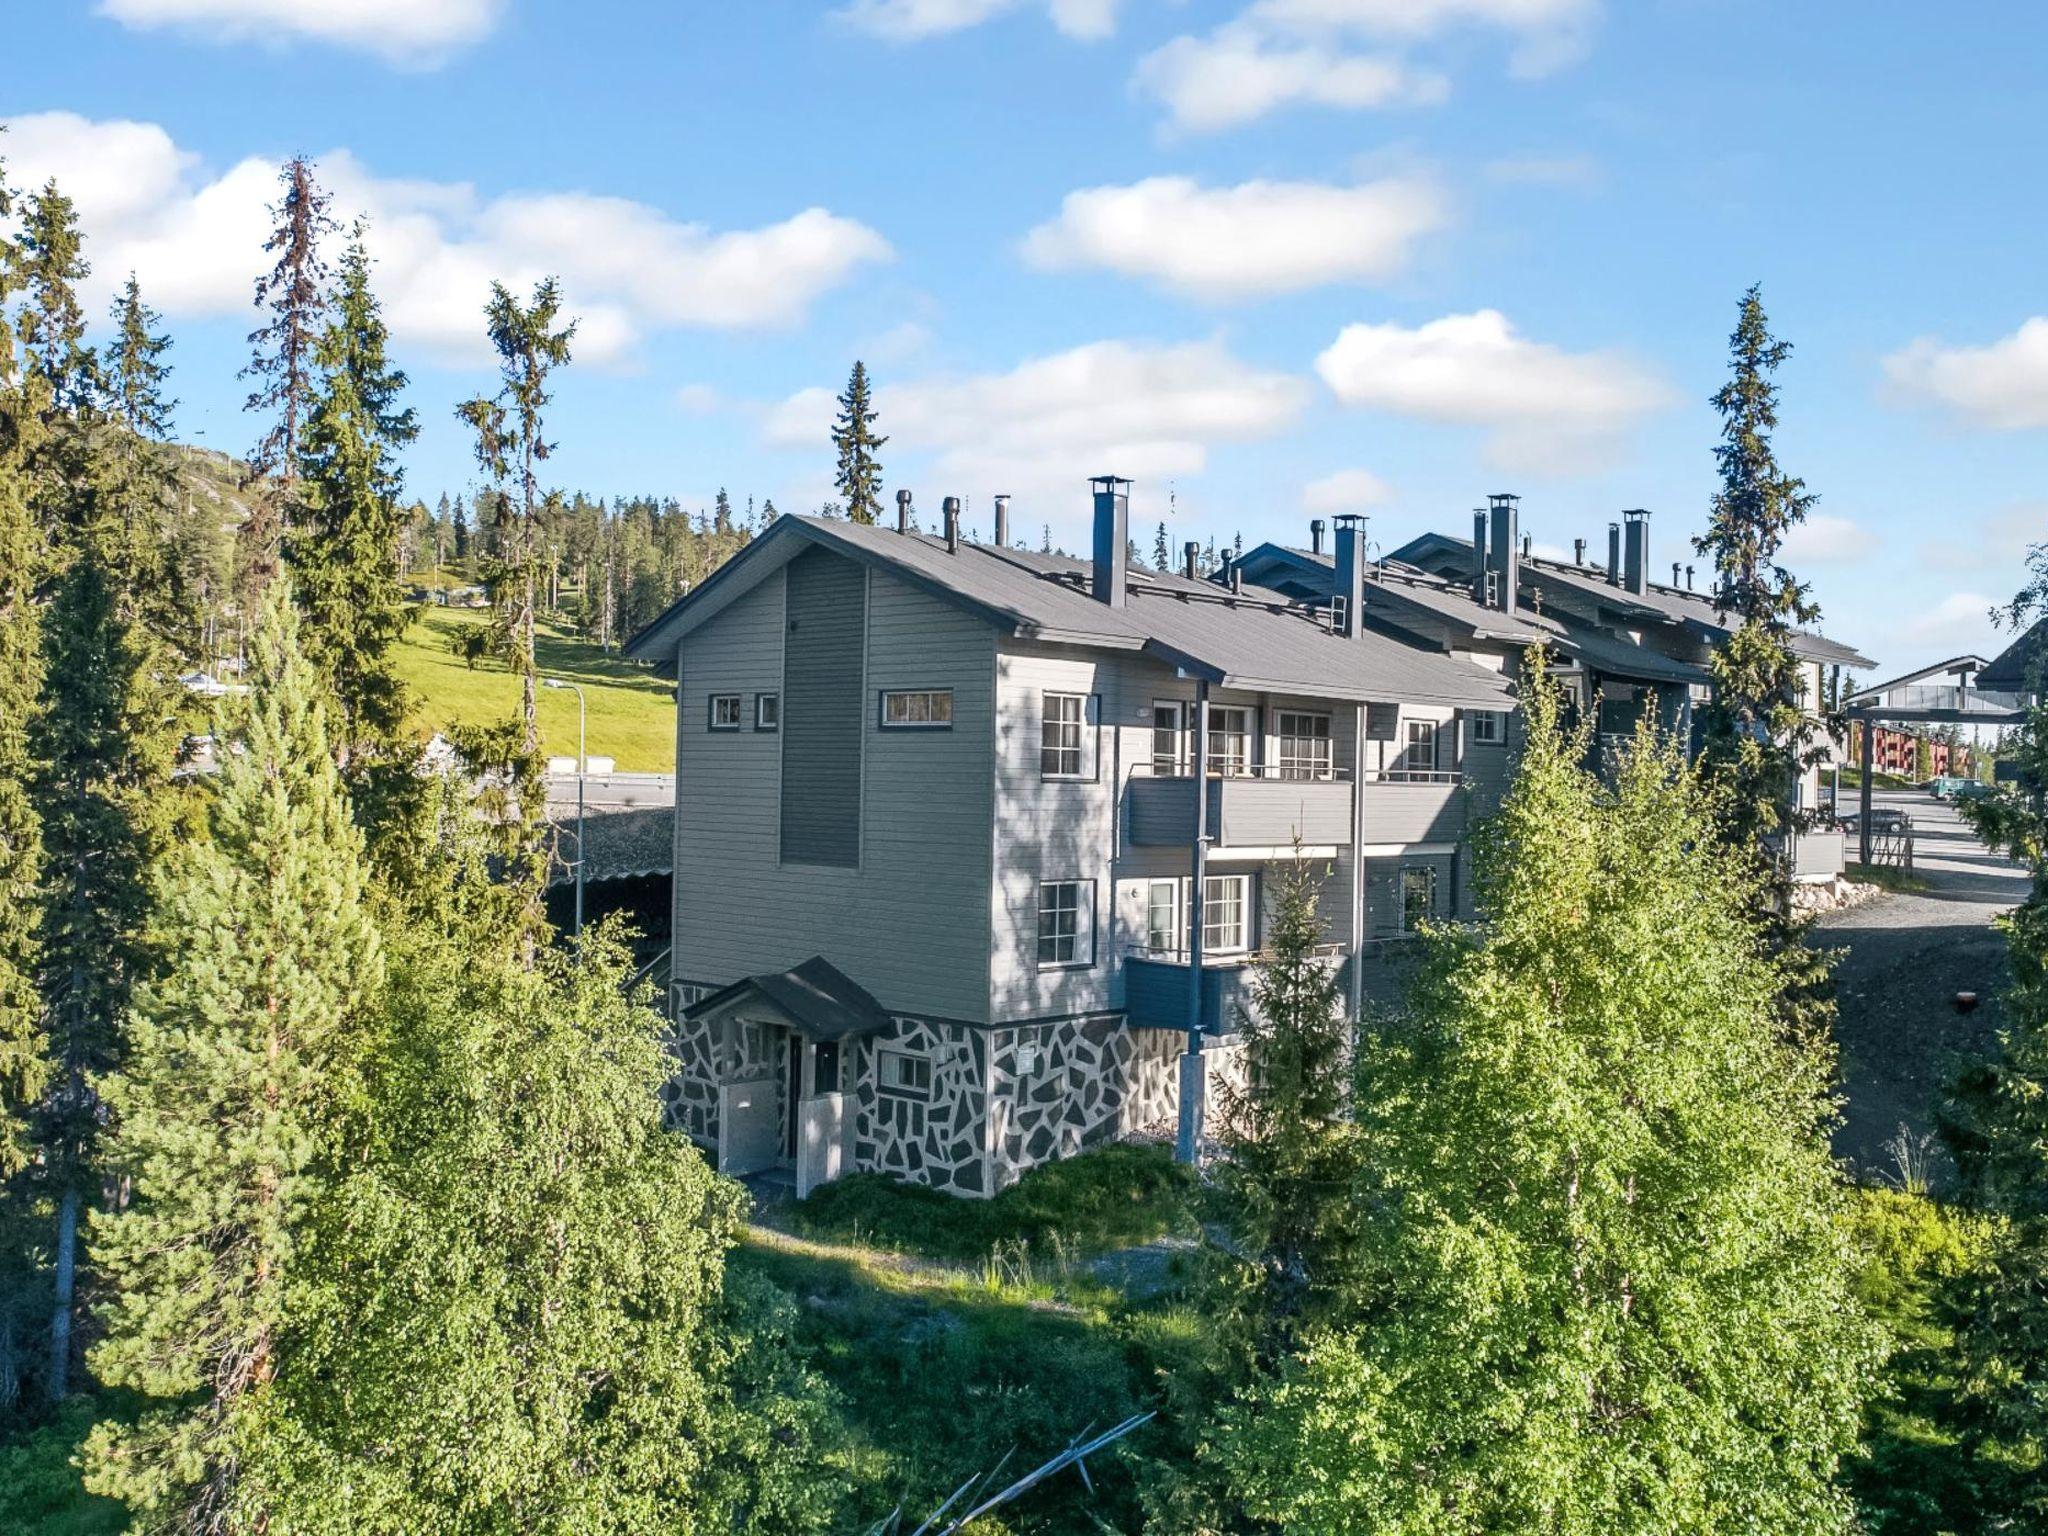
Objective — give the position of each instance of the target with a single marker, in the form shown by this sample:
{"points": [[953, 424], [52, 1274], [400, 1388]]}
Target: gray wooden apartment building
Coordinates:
{"points": [[936, 808]]}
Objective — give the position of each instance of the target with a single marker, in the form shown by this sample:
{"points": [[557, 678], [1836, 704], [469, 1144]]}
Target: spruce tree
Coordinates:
{"points": [[1602, 1285], [240, 1059], [511, 444], [136, 372], [344, 553], [859, 475], [51, 261], [1758, 735], [293, 298], [1162, 558], [24, 1048]]}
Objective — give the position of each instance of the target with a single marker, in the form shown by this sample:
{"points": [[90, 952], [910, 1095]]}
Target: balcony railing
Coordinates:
{"points": [[1414, 776], [1251, 810], [1287, 773]]}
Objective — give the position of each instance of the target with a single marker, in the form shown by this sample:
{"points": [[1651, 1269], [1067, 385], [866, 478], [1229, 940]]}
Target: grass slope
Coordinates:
{"points": [[632, 712]]}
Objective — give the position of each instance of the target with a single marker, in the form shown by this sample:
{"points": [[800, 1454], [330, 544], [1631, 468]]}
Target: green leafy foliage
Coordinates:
{"points": [[1602, 1286]]}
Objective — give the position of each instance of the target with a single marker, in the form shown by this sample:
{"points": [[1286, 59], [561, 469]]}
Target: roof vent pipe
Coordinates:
{"points": [[1675, 568], [903, 511], [1112, 537], [1350, 552], [1636, 550], [1578, 551], [1315, 535], [1614, 554], [1002, 522], [952, 510], [1688, 578], [1528, 545], [1236, 576], [1191, 560], [1479, 555], [1503, 548]]}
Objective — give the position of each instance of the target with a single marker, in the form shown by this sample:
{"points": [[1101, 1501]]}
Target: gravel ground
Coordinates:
{"points": [[1908, 955]]}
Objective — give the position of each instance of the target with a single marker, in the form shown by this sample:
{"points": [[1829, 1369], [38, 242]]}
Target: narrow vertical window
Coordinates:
{"points": [[1162, 917], [1063, 736], [1418, 895], [1168, 755], [1066, 923], [1230, 736]]}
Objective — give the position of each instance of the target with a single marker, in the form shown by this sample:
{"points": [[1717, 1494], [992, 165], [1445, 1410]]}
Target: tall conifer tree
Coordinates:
{"points": [[51, 260], [239, 1061], [511, 445], [859, 475], [292, 296], [344, 553]]}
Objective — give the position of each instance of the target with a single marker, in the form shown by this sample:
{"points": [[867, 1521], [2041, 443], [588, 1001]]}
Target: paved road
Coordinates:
{"points": [[1908, 956]]}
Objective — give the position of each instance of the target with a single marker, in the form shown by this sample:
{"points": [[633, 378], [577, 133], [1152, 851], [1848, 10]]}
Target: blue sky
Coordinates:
{"points": [[1267, 257]]}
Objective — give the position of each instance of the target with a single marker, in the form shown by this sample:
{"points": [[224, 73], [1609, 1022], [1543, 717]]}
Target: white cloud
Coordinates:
{"points": [[1547, 411], [1242, 242], [1548, 34], [1112, 407], [1994, 543], [1959, 622], [699, 400], [402, 31], [1241, 72], [1348, 490], [905, 21], [1823, 539], [627, 268], [2003, 386]]}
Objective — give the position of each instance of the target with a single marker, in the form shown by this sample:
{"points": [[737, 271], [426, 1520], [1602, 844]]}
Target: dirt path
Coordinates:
{"points": [[1908, 956]]}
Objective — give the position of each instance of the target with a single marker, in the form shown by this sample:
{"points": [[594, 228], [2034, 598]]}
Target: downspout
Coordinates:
{"points": [[1356, 998], [1193, 1080]]}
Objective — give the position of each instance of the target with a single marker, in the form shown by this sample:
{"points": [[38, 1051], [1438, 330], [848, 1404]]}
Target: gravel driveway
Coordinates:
{"points": [[1907, 957]]}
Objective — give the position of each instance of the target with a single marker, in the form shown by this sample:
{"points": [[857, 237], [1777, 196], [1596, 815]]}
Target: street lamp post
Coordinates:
{"points": [[582, 771]]}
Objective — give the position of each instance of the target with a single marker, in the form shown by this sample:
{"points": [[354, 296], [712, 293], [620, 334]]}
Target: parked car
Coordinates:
{"points": [[1948, 786], [1883, 819]]}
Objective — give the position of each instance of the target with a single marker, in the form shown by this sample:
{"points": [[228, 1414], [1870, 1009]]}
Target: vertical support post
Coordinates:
{"points": [[1193, 1079], [1355, 991], [1863, 821], [582, 773]]}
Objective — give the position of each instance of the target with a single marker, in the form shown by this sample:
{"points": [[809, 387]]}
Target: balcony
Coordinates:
{"points": [[1259, 809], [1405, 805], [1156, 987]]}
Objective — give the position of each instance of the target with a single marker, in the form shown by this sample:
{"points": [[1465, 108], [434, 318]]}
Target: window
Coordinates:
{"points": [[1168, 716], [1304, 745], [1230, 736], [1486, 725], [1418, 895], [767, 712], [1063, 738], [825, 1067], [725, 712], [1226, 913], [924, 709], [1162, 916], [903, 1074], [1380, 721], [1066, 923], [1421, 754]]}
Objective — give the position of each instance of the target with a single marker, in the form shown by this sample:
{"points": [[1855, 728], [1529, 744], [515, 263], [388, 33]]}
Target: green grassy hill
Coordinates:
{"points": [[632, 713]]}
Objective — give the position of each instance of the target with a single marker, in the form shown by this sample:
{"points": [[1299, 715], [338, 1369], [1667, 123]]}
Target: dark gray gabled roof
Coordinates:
{"points": [[2017, 668], [816, 999], [1657, 602], [1258, 641]]}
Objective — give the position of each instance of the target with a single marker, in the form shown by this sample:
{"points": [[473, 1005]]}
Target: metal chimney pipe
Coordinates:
{"points": [[1578, 551], [1688, 578], [1002, 522], [1504, 548], [1614, 554], [1675, 568], [1479, 555], [1191, 560], [1350, 572], [1315, 535], [1112, 537], [1528, 545], [903, 511], [951, 506]]}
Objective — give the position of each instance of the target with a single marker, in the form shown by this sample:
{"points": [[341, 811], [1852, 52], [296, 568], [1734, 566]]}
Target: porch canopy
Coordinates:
{"points": [[816, 999], [1968, 707]]}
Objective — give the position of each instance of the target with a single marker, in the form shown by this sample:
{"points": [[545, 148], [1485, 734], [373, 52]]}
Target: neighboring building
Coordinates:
{"points": [[1952, 686], [1621, 604], [935, 838]]}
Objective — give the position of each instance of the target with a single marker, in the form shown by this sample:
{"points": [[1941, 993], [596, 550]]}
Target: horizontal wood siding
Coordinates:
{"points": [[910, 922]]}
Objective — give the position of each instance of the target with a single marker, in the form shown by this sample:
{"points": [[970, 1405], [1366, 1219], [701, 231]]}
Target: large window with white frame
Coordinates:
{"points": [[1066, 924], [1420, 754], [1169, 749], [1304, 739], [1066, 745], [1226, 915], [1230, 740]]}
